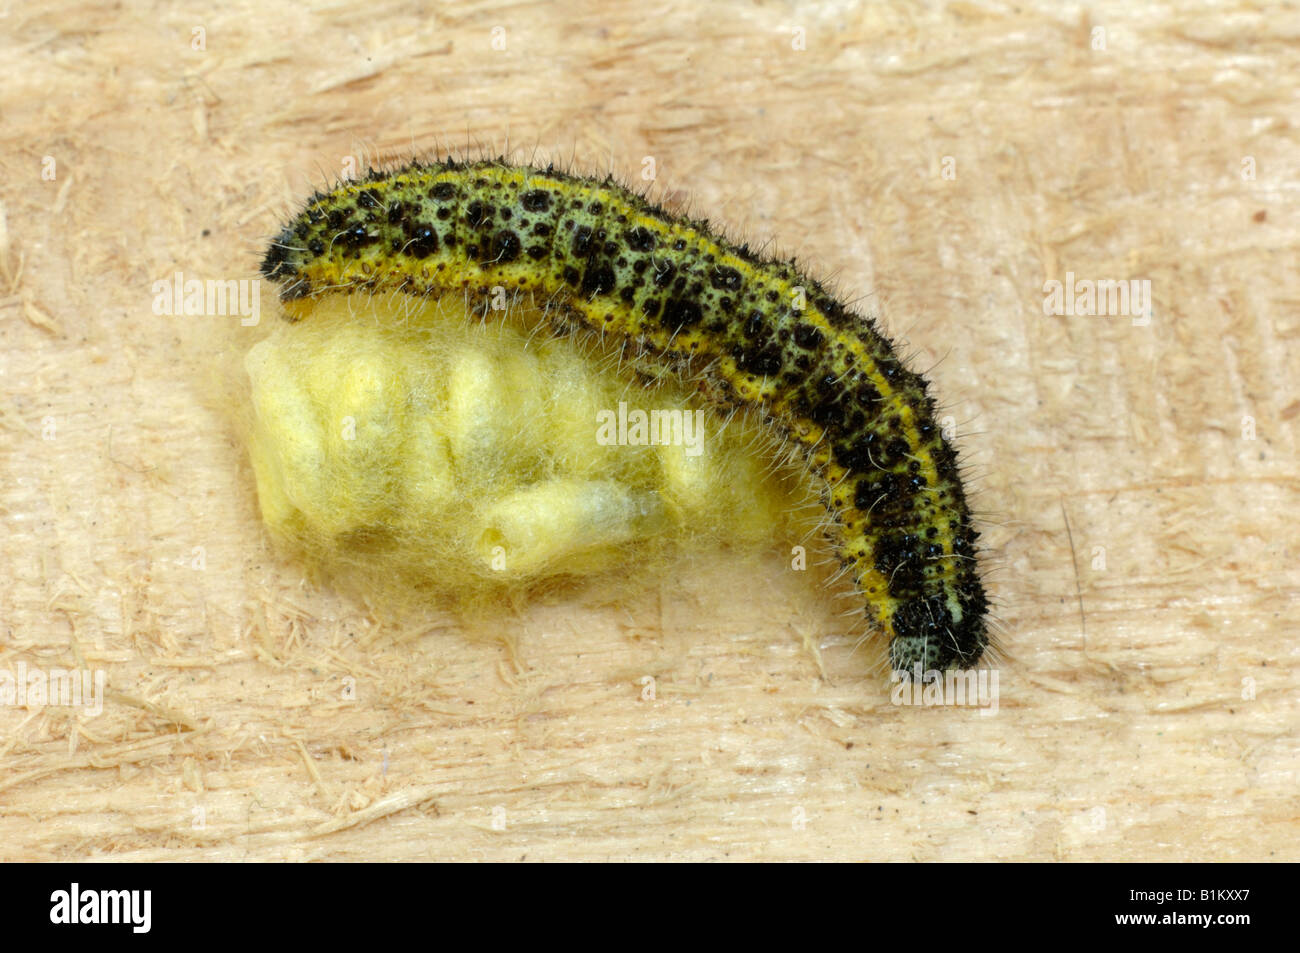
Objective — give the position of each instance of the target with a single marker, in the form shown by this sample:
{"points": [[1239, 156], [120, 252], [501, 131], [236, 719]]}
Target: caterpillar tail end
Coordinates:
{"points": [[925, 634]]}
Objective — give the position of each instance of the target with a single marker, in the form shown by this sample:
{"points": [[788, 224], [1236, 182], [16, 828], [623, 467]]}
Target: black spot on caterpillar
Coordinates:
{"points": [[752, 332]]}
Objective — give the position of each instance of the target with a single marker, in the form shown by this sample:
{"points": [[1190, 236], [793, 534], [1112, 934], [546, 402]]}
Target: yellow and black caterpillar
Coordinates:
{"points": [[752, 332]]}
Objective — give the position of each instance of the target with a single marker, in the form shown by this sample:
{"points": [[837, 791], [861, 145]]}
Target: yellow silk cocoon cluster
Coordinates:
{"points": [[420, 445]]}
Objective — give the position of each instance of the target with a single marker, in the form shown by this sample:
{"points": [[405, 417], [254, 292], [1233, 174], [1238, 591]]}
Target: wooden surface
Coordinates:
{"points": [[1145, 546]]}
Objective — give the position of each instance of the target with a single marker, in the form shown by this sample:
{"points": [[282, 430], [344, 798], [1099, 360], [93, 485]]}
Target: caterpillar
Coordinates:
{"points": [[752, 332]]}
